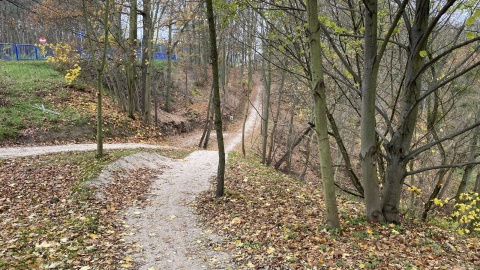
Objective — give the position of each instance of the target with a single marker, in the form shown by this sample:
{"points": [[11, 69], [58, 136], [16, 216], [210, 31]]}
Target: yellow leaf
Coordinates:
{"points": [[93, 236], [250, 265], [470, 35], [270, 250], [126, 265], [362, 265], [128, 259], [236, 220]]}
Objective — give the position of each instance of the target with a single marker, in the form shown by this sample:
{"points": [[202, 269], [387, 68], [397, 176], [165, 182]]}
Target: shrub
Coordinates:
{"points": [[64, 59]]}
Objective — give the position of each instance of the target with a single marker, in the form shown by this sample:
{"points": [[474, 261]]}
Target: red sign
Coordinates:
{"points": [[42, 40]]}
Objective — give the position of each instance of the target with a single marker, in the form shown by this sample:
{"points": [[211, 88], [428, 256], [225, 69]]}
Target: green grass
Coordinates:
{"points": [[159, 65], [25, 85]]}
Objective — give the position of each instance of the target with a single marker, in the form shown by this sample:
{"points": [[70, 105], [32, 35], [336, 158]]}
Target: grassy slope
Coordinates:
{"points": [[22, 86], [273, 221], [26, 85]]}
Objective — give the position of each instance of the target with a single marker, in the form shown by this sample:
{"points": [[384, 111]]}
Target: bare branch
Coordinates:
{"points": [[389, 34], [339, 54], [427, 146], [458, 165]]}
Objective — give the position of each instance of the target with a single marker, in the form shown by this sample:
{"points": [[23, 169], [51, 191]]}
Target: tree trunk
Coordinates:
{"points": [[249, 86], [476, 188], [290, 142], [319, 96], [346, 158], [307, 159], [247, 107], [131, 67], [267, 82], [216, 101], [206, 129], [367, 134], [146, 59], [275, 121], [100, 68], [168, 93], [473, 153], [401, 139]]}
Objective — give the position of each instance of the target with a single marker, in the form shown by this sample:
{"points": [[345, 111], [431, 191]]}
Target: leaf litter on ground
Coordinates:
{"points": [[272, 221], [49, 218]]}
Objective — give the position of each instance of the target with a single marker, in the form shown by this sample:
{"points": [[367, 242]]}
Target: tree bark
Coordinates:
{"points": [[294, 144], [168, 93], [100, 68], [131, 71], [206, 129], [267, 83], [367, 133], [346, 158], [473, 153], [476, 188], [399, 145], [275, 120], [216, 101], [146, 59], [319, 96]]}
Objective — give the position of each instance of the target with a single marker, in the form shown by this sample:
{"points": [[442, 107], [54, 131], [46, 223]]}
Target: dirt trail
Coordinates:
{"points": [[166, 234], [24, 151]]}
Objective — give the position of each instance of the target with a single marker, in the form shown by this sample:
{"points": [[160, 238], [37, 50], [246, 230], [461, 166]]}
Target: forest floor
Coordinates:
{"points": [[160, 229], [153, 208]]}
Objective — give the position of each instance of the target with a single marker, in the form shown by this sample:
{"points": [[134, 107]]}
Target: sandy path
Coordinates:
{"points": [[166, 234], [9, 152]]}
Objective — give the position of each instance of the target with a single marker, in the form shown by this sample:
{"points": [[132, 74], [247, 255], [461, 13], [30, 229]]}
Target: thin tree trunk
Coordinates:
{"points": [[307, 159], [473, 152], [275, 121], [476, 188], [216, 101], [290, 142], [131, 68], [346, 158], [249, 91], [367, 133], [146, 59], [267, 82], [297, 141], [247, 107], [319, 96], [168, 94], [206, 129], [100, 68]]}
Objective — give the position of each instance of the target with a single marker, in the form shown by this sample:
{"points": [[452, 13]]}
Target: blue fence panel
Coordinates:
{"points": [[7, 51], [12, 51], [26, 52]]}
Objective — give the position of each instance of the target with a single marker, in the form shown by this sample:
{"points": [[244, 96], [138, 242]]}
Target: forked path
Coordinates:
{"points": [[166, 234]]}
